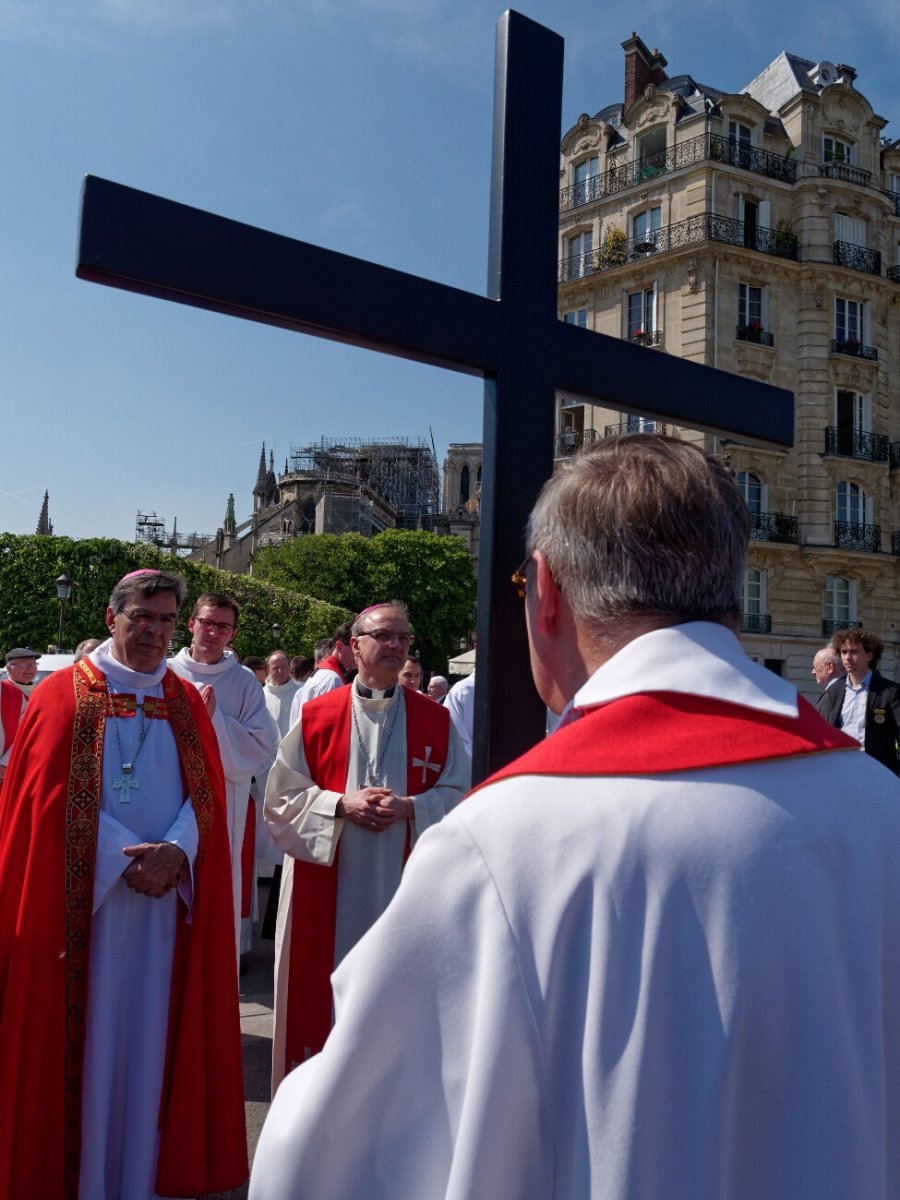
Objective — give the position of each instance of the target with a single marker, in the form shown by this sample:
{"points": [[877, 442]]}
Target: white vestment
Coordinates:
{"points": [[301, 818], [680, 986], [248, 739], [279, 698], [132, 942], [460, 704], [322, 680]]}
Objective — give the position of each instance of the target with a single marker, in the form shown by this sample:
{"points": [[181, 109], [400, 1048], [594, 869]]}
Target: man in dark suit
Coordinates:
{"points": [[867, 706], [828, 673]]}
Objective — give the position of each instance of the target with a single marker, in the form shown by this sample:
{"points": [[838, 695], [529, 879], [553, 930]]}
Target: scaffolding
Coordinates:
{"points": [[402, 471], [151, 530]]}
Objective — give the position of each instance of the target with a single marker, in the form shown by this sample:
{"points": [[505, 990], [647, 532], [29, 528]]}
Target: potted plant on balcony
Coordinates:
{"points": [[851, 345], [640, 337], [785, 239], [612, 251]]}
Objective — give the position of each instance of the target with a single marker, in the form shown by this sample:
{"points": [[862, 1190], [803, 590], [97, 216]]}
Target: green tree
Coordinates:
{"points": [[431, 574], [29, 609]]}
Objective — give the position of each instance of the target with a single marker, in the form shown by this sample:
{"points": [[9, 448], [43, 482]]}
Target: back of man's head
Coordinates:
{"points": [[323, 648], [342, 633], [644, 526]]}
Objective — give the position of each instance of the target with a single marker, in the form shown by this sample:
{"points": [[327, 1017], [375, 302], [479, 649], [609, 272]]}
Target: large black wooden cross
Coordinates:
{"points": [[512, 337]]}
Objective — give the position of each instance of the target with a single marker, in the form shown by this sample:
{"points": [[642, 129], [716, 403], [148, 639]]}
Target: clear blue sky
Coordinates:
{"points": [[361, 125]]}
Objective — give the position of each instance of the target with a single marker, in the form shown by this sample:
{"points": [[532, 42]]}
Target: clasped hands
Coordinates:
{"points": [[158, 867], [375, 808]]}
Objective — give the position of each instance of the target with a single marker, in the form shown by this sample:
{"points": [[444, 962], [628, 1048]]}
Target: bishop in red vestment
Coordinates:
{"points": [[118, 999], [367, 769]]}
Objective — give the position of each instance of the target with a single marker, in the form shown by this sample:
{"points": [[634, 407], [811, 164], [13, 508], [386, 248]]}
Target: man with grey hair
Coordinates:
{"points": [[826, 670], [438, 687], [664, 949], [336, 659], [117, 984], [366, 771]]}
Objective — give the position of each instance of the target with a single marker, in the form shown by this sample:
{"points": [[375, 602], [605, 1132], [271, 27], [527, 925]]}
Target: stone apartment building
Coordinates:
{"points": [[758, 231]]}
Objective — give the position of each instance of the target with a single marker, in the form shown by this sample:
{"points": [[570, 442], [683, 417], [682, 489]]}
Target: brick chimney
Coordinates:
{"points": [[641, 68]]}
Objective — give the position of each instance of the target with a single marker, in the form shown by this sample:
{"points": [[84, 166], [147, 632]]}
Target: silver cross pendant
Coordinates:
{"points": [[125, 783]]}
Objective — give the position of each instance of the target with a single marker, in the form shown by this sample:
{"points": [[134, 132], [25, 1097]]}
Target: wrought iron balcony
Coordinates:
{"points": [[571, 440], [857, 443], [850, 536], [706, 147], [636, 425], [894, 197], [895, 454], [837, 169], [756, 623], [893, 274], [754, 333], [895, 543], [773, 527], [645, 337], [704, 227], [853, 347], [830, 628], [857, 258]]}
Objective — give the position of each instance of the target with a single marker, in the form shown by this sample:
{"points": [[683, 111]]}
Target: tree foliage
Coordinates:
{"points": [[29, 609], [431, 574]]}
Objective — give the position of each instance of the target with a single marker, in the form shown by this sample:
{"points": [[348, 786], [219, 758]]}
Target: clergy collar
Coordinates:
{"points": [[365, 693]]}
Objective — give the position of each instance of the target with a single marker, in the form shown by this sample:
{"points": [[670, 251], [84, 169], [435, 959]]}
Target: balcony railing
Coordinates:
{"points": [[645, 337], [637, 425], [894, 197], [857, 443], [753, 333], [704, 227], [846, 172], [895, 543], [895, 454], [570, 441], [756, 623], [850, 536], [854, 348], [830, 628], [773, 527], [893, 273], [857, 258], [706, 147]]}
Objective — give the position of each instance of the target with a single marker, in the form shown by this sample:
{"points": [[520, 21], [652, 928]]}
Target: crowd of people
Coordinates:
{"points": [[655, 956]]}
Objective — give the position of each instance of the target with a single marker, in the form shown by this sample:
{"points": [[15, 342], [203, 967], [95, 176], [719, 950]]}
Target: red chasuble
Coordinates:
{"points": [[655, 733], [326, 744], [331, 664], [49, 815]]}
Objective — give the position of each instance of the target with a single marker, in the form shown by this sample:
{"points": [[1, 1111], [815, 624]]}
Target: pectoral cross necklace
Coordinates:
{"points": [[127, 781]]}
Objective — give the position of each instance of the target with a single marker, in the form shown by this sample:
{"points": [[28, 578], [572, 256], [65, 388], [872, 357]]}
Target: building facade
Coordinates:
{"points": [[758, 232]]}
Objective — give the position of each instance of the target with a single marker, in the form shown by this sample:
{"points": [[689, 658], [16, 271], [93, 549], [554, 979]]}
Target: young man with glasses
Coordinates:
{"points": [[366, 770], [247, 734], [118, 997]]}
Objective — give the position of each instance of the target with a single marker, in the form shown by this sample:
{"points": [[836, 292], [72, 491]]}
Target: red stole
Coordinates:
{"points": [[331, 664], [48, 834], [10, 711], [654, 733], [326, 727]]}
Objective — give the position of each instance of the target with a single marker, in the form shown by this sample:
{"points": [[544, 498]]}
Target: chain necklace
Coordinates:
{"points": [[373, 772], [126, 781]]}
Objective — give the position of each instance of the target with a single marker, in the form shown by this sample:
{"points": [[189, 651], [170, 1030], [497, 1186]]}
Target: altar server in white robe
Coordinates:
{"points": [[248, 736], [657, 956]]}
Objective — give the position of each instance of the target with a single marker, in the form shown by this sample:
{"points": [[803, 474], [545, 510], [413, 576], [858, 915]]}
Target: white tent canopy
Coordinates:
{"points": [[463, 664]]}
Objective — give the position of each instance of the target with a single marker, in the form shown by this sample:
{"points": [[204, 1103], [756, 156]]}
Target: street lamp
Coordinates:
{"points": [[63, 592], [276, 634]]}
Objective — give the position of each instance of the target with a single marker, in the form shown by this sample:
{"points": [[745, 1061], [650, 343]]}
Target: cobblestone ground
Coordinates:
{"points": [[256, 1036]]}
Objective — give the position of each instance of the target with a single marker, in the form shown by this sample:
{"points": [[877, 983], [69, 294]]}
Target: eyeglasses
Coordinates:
{"points": [[143, 617], [220, 627], [518, 578], [385, 636]]}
